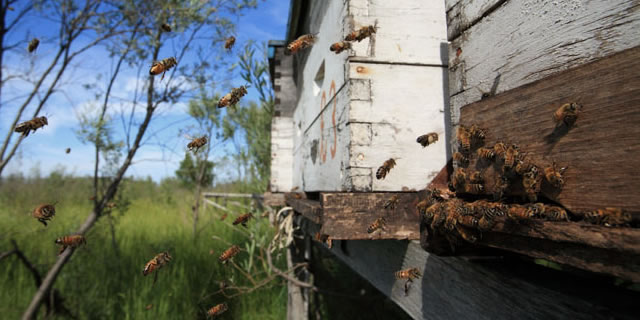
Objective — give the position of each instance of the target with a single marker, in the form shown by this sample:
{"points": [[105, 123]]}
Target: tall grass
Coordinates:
{"points": [[104, 279]]}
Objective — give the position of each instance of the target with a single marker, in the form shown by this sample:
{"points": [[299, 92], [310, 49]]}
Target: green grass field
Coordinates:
{"points": [[103, 281]]}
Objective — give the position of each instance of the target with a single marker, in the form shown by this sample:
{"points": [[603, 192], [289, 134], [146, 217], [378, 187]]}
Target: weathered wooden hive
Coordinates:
{"points": [[504, 65]]}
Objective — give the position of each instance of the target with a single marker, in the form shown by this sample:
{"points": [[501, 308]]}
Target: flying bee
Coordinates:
{"points": [[379, 224], [553, 175], [229, 253], [159, 261], [33, 45], [486, 153], [338, 47], [391, 203], [303, 42], [459, 178], [72, 241], [217, 310], [408, 274], [609, 217], [110, 205], [385, 168], [555, 213], [567, 114], [518, 212], [510, 157], [324, 238], [44, 212], [165, 27], [229, 42], [360, 34], [464, 138], [67, 151], [427, 139], [224, 216], [197, 143], [243, 219], [31, 125], [233, 97], [461, 159], [158, 67], [500, 149]]}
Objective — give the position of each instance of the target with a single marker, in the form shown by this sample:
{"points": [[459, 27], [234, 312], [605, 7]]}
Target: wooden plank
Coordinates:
{"points": [[348, 215], [602, 152], [281, 178], [524, 41], [310, 209], [458, 288], [207, 201], [462, 14], [274, 199]]}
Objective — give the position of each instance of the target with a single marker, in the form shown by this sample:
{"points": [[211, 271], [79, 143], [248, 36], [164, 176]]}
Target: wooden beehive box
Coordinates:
{"points": [[356, 109]]}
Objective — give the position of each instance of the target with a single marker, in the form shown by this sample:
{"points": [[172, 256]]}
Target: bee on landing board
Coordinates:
{"points": [[72, 241], [31, 125], [303, 42], [229, 42], [159, 261], [165, 27], [486, 153], [233, 97], [461, 159], [567, 114], [464, 138], [197, 143], [531, 182], [427, 139], [510, 156], [385, 168], [500, 149], [217, 310], [555, 213], [158, 67], [229, 253], [409, 275], [324, 238], [361, 34], [379, 224], [553, 175], [338, 47], [44, 212], [459, 178], [243, 219], [518, 212], [391, 203], [500, 188], [609, 217], [33, 45]]}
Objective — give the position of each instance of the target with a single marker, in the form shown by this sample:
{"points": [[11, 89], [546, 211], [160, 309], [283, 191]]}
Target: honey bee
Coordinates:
{"points": [[217, 310], [485, 223], [555, 213], [338, 47], [466, 235], [427, 139], [149, 306], [229, 42], [72, 241], [531, 182], [391, 203], [377, 225], [522, 166], [224, 216], [324, 238], [554, 176], [197, 143], [486, 153], [477, 133], [229, 253], [159, 261], [510, 157], [165, 27], [67, 151], [476, 177], [303, 42], [422, 206], [500, 187], [518, 212], [536, 210], [409, 274], [243, 219], [438, 215], [44, 212], [453, 208], [432, 211], [360, 34], [233, 97], [468, 221], [31, 125], [92, 198], [110, 205], [461, 159], [567, 114], [33, 45], [459, 178], [158, 67], [464, 137], [474, 188], [609, 217], [385, 168], [500, 149]]}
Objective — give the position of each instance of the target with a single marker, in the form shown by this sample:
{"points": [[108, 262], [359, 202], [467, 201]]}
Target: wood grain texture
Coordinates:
{"points": [[310, 209], [281, 178], [274, 199], [461, 15], [458, 288], [348, 215], [524, 41], [602, 151]]}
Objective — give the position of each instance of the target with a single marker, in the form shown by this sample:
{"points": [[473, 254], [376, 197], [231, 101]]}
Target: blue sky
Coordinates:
{"points": [[45, 150]]}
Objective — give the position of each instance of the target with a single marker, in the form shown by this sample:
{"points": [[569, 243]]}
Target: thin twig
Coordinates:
{"points": [[286, 276]]}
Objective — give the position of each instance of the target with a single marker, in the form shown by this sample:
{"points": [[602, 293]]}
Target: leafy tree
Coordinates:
{"points": [[189, 171]]}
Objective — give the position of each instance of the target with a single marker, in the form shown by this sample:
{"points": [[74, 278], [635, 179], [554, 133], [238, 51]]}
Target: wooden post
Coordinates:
{"points": [[298, 298]]}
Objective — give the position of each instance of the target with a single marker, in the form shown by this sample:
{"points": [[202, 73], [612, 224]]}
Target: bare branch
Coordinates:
{"points": [[284, 275]]}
